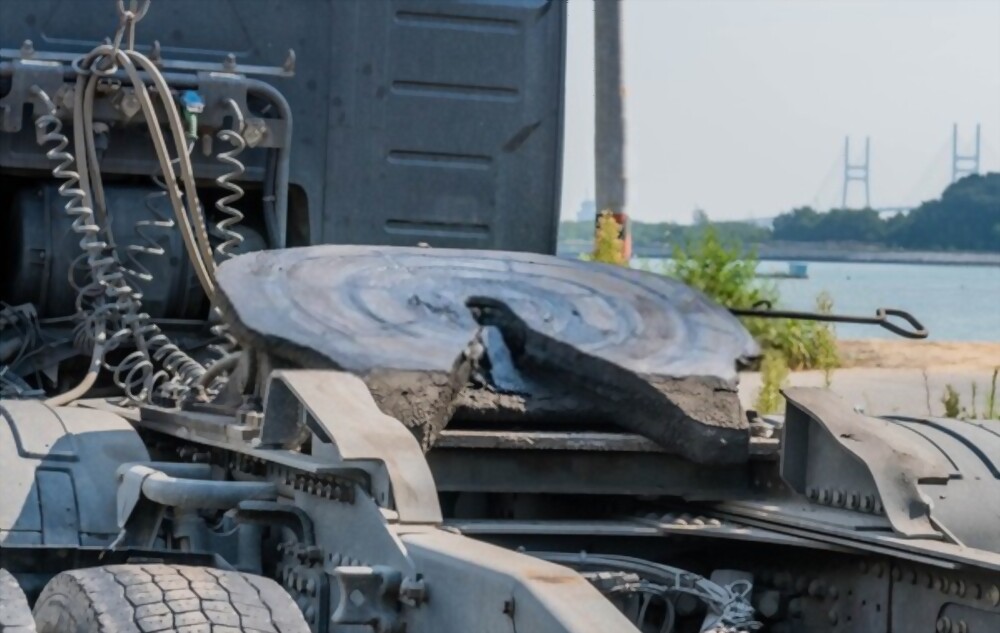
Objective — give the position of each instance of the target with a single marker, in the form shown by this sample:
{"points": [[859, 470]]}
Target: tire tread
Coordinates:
{"points": [[150, 598], [15, 614]]}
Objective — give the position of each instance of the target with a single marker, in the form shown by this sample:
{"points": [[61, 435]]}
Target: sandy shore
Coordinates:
{"points": [[899, 377], [934, 355]]}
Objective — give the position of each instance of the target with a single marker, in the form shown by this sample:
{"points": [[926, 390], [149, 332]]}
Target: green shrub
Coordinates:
{"points": [[729, 276], [724, 273], [609, 248]]}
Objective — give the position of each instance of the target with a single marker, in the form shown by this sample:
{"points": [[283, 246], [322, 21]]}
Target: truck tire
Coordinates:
{"points": [[15, 614], [147, 598]]}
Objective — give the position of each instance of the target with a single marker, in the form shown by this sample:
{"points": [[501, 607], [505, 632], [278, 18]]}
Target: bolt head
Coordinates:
{"points": [[130, 105], [993, 595], [801, 584], [795, 606], [817, 588]]}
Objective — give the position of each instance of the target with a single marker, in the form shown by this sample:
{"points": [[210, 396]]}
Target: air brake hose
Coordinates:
{"points": [[49, 129], [190, 221], [187, 171]]}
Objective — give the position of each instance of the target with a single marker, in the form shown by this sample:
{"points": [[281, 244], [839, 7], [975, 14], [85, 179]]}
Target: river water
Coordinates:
{"points": [[955, 303]]}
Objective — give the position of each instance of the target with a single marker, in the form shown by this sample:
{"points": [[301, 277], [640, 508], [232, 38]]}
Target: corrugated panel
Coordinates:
{"points": [[434, 121]]}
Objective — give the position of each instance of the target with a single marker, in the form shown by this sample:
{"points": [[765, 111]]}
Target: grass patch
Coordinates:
{"points": [[773, 373], [953, 407]]}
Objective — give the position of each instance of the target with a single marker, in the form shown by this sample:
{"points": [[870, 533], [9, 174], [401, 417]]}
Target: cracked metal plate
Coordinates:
{"points": [[659, 356]]}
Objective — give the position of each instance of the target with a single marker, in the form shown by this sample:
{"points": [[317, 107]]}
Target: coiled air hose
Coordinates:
{"points": [[136, 374]]}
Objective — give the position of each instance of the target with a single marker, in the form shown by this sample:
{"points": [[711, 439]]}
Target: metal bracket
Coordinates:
{"points": [[349, 430], [47, 75], [830, 448], [146, 489], [287, 68], [368, 596]]}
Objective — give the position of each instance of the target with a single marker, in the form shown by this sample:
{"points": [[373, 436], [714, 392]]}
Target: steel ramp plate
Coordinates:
{"points": [[655, 356]]}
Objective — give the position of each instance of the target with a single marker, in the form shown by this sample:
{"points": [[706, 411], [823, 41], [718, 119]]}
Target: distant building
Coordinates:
{"points": [[587, 211]]}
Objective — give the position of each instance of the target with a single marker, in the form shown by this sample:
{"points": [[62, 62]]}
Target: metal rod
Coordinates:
{"points": [[202, 495], [880, 319]]}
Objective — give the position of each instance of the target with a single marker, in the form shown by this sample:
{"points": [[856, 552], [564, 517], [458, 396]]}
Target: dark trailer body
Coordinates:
{"points": [[414, 121]]}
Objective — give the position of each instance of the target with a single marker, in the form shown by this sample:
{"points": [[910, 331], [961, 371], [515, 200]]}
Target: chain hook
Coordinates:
{"points": [[128, 18], [138, 11]]}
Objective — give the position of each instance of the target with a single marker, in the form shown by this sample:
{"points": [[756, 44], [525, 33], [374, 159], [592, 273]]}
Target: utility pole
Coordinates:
{"points": [[609, 115], [856, 172], [967, 164]]}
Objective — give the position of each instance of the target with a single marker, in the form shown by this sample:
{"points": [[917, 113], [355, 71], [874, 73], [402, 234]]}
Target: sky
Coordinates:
{"points": [[741, 107]]}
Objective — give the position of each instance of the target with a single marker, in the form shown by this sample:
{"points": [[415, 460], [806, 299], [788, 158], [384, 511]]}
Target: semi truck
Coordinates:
{"points": [[284, 347]]}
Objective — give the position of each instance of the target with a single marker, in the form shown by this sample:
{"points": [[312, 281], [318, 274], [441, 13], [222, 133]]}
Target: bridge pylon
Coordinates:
{"points": [[857, 172], [963, 165]]}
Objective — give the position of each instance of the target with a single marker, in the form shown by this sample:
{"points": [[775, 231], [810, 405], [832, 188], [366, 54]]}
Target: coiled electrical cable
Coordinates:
{"points": [[231, 239], [108, 300], [137, 375], [48, 130], [231, 216], [146, 230]]}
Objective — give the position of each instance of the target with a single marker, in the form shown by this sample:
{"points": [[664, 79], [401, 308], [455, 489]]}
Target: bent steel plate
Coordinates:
{"points": [[409, 321]]}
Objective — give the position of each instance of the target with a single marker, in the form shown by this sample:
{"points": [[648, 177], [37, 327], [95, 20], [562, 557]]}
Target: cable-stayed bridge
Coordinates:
{"points": [[851, 178]]}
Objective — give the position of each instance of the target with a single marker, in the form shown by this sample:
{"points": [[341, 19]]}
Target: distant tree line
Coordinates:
{"points": [[966, 217], [656, 235]]}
